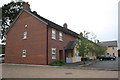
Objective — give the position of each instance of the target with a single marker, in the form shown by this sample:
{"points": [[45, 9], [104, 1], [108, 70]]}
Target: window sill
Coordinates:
{"points": [[53, 59], [23, 56], [53, 39], [24, 38], [61, 40]]}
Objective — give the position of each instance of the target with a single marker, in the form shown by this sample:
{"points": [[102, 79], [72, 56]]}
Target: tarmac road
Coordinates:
{"points": [[106, 65], [38, 71]]}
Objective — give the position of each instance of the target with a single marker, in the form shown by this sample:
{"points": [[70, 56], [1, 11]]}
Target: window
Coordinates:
{"points": [[24, 53], [60, 36], [53, 53], [53, 34], [25, 35], [26, 26]]}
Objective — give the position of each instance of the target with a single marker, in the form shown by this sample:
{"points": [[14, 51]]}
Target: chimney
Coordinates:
{"points": [[65, 25], [26, 6], [81, 33], [98, 41]]}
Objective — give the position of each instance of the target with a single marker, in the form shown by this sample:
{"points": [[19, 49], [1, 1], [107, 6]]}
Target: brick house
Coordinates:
{"points": [[32, 39]]}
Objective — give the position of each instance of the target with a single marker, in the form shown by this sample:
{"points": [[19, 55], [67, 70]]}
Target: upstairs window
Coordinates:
{"points": [[25, 35], [60, 36], [24, 53], [26, 26], [53, 53], [53, 34]]}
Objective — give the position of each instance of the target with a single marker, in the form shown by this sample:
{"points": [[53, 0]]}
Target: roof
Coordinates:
{"points": [[70, 45], [46, 21], [108, 43], [53, 25]]}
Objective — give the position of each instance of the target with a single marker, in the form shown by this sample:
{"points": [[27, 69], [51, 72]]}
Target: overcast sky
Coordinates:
{"points": [[97, 16]]}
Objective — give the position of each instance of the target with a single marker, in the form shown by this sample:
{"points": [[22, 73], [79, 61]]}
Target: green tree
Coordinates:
{"points": [[9, 13], [97, 49], [82, 46], [85, 46]]}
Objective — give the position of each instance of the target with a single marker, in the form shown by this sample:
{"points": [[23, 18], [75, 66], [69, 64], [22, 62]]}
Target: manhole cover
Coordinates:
{"points": [[68, 73]]}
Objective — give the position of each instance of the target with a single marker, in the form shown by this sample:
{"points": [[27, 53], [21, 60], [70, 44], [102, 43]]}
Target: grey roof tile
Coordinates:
{"points": [[70, 45], [108, 43]]}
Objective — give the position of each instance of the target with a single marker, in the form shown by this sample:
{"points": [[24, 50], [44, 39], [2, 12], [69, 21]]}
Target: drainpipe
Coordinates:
{"points": [[47, 46], [65, 54]]}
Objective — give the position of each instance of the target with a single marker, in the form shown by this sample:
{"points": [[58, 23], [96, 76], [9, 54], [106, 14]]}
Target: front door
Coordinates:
{"points": [[60, 54]]}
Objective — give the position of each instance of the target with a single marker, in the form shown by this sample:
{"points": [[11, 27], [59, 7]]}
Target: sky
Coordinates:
{"points": [[96, 16]]}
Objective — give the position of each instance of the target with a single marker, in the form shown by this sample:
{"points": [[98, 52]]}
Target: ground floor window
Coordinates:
{"points": [[53, 53]]}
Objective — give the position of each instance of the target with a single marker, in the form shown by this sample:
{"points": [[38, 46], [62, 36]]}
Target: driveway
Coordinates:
{"points": [[107, 65], [102, 65]]}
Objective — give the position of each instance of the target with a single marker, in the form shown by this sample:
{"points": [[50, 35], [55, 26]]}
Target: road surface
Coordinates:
{"points": [[36, 71], [107, 65]]}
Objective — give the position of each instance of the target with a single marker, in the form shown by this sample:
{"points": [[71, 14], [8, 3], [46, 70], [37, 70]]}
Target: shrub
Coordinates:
{"points": [[57, 63], [84, 59]]}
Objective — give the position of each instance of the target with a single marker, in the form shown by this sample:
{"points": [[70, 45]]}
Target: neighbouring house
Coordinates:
{"points": [[32, 39], [112, 47]]}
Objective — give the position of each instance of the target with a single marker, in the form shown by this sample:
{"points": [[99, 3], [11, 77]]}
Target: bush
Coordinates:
{"points": [[57, 63], [84, 59]]}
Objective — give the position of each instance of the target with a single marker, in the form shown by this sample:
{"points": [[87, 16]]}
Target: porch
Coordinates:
{"points": [[71, 53]]}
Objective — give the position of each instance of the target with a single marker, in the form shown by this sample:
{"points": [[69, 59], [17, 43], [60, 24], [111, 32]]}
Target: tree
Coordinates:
{"points": [[82, 46], [85, 46], [97, 49], [9, 13]]}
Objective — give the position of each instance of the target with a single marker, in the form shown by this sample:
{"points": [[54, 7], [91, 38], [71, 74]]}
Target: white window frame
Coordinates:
{"points": [[60, 36], [53, 53], [54, 34], [24, 53], [25, 35]]}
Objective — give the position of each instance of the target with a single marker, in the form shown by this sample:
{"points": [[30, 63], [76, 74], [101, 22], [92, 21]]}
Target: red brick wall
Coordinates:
{"points": [[59, 45], [35, 43]]}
